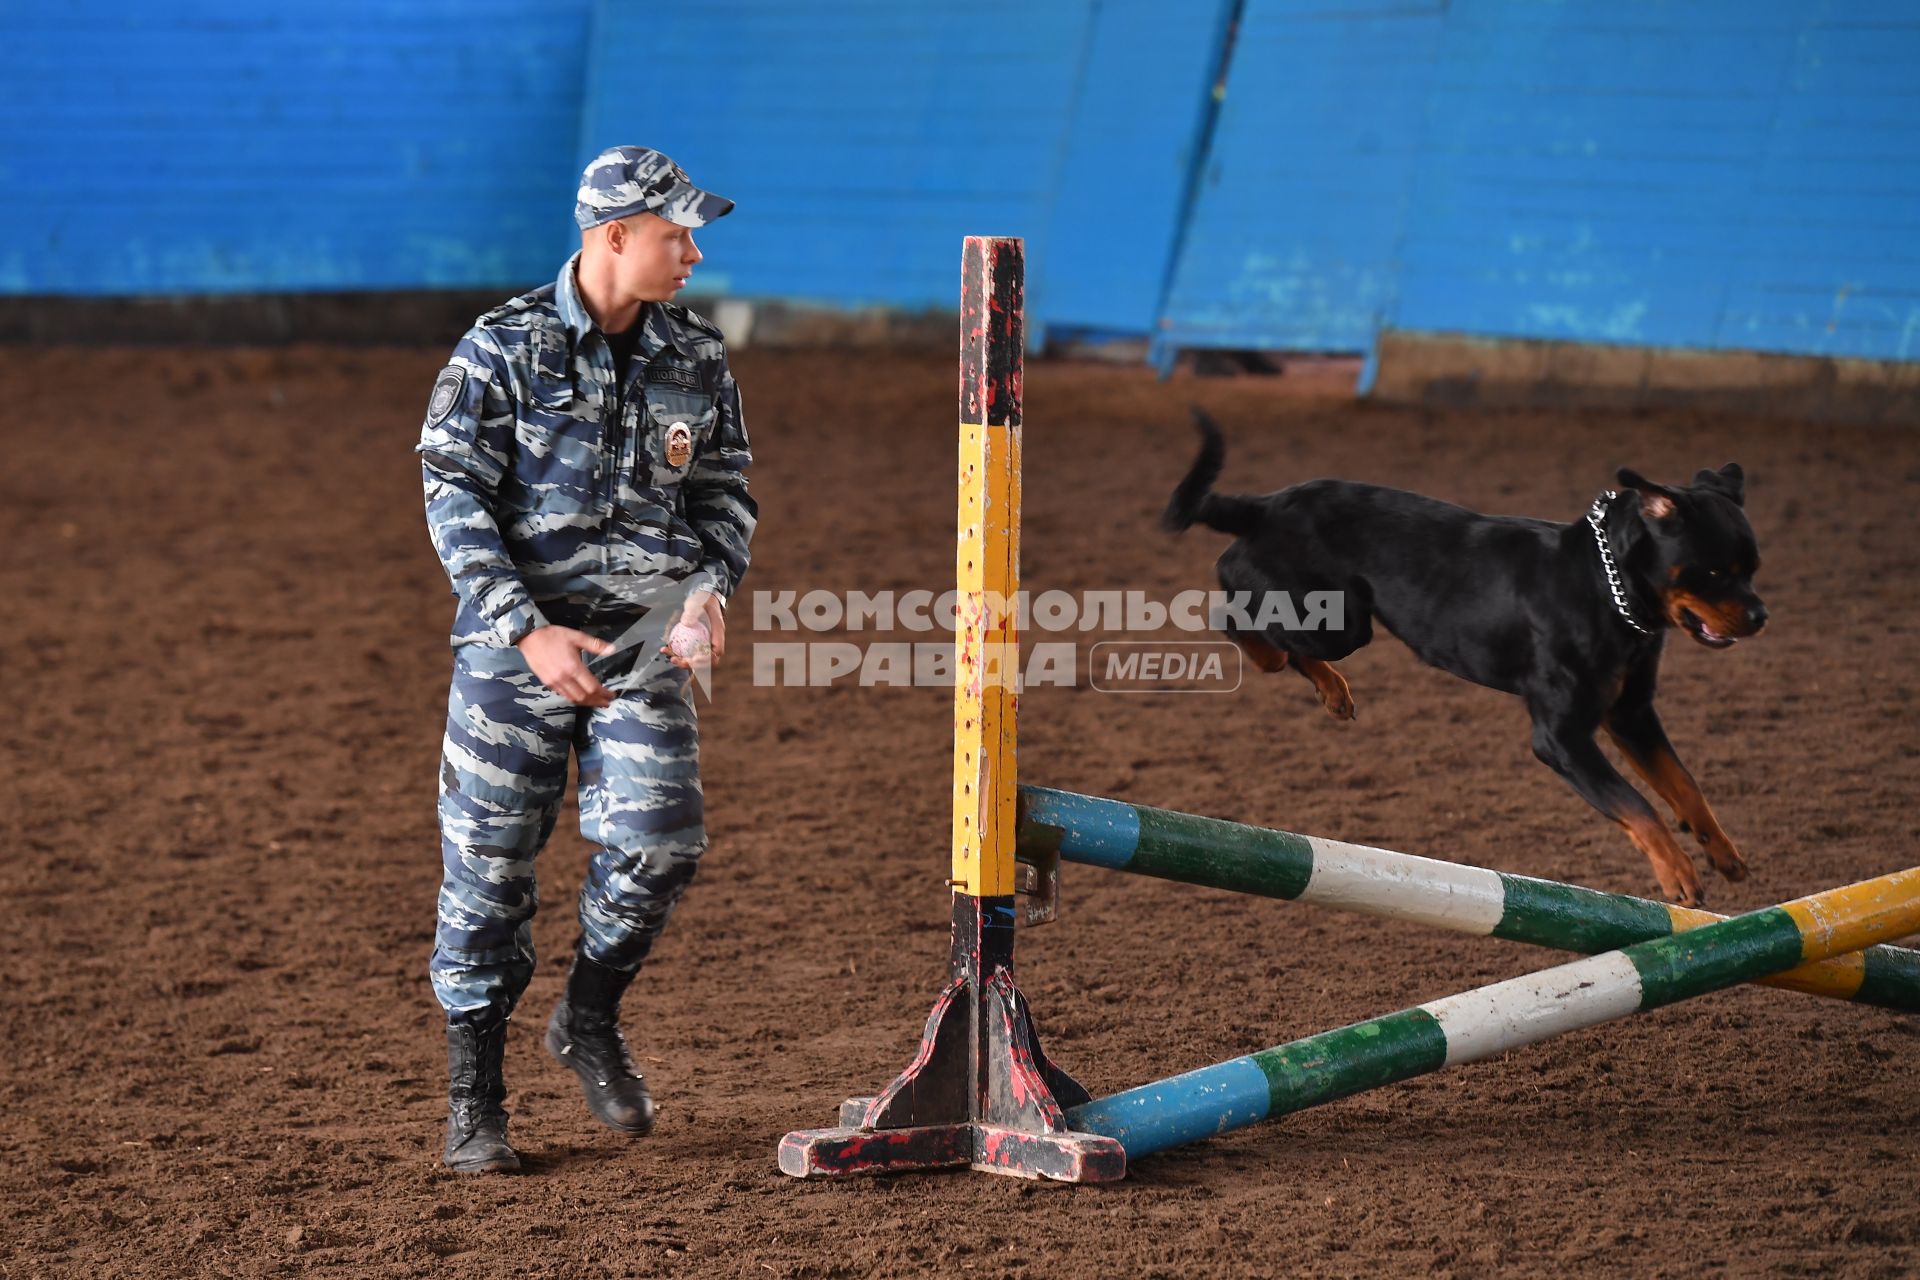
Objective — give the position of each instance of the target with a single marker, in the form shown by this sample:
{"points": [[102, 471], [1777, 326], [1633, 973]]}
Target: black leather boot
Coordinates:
{"points": [[476, 1099], [585, 1036]]}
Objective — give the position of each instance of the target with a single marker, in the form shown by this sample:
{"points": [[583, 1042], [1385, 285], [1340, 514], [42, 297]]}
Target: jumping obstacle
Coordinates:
{"points": [[981, 1093], [1491, 1020], [1378, 882]]}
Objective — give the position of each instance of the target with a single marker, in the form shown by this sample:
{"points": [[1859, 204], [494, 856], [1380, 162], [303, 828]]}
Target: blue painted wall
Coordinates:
{"points": [[1700, 173], [1696, 173], [1132, 142], [1693, 173], [864, 138], [216, 145], [1303, 198]]}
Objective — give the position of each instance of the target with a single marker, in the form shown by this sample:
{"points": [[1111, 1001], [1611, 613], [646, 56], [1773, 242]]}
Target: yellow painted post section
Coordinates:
{"points": [[986, 660], [1838, 976]]}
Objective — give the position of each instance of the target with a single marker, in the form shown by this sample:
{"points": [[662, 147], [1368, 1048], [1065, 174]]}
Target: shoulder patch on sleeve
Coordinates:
{"points": [[446, 394]]}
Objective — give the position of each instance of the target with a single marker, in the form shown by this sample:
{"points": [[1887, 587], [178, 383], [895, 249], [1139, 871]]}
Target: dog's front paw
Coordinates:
{"points": [[1720, 852], [1678, 877], [1689, 892]]}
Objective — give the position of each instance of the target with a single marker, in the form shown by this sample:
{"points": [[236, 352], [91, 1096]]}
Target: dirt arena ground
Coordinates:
{"points": [[225, 629]]}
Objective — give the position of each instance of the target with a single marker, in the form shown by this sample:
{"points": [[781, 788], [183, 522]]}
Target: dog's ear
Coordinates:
{"points": [[1656, 501], [1729, 481]]}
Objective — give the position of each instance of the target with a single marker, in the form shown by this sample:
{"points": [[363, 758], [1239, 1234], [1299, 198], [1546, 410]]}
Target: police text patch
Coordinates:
{"points": [[672, 375], [446, 394]]}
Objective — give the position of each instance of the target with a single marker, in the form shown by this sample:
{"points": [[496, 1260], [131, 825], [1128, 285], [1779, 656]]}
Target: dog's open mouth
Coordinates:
{"points": [[1705, 634]]}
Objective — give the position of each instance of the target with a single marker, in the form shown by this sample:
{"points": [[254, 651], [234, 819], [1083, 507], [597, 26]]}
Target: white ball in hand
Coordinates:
{"points": [[690, 640]]}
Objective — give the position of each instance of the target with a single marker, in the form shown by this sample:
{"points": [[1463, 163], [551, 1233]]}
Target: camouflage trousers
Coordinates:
{"points": [[503, 774]]}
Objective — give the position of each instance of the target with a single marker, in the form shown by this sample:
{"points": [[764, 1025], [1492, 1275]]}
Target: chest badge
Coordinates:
{"points": [[679, 444]]}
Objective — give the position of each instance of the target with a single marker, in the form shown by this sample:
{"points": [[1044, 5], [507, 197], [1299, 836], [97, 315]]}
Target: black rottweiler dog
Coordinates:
{"points": [[1569, 617]]}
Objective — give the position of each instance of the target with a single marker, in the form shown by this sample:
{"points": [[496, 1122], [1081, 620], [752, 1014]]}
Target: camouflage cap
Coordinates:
{"points": [[623, 181]]}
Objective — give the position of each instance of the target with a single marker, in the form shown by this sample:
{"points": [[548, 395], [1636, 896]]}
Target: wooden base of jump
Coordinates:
{"points": [[979, 1094]]}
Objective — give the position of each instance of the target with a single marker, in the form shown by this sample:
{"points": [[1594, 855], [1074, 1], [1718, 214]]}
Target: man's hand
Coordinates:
{"points": [[702, 609], [554, 655]]}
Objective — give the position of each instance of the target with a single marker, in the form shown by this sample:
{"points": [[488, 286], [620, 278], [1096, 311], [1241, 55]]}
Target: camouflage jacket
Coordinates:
{"points": [[553, 497]]}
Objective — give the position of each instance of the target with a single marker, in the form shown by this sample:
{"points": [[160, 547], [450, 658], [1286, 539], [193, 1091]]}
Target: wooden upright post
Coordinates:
{"points": [[987, 569], [980, 1092]]}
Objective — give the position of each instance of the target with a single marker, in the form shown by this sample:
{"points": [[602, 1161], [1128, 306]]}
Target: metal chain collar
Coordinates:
{"points": [[1596, 516]]}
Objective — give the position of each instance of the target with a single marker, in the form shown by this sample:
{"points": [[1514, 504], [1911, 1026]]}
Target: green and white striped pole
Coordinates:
{"points": [[1491, 1020], [1378, 882]]}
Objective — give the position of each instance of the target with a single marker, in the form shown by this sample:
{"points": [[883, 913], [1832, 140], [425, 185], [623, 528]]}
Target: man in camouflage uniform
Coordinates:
{"points": [[586, 488]]}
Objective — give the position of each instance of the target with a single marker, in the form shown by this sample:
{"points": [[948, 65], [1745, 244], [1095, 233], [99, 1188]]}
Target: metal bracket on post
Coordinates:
{"points": [[1037, 879], [980, 1092], [1036, 862]]}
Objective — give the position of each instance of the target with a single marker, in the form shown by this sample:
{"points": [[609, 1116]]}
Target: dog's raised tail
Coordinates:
{"points": [[1195, 502]]}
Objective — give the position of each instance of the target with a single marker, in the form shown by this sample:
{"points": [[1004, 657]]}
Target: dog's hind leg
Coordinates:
{"points": [[1335, 696], [1242, 580], [1332, 687], [1275, 645], [1320, 640], [1259, 652]]}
